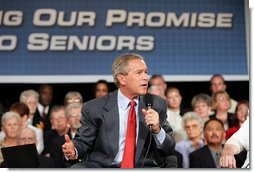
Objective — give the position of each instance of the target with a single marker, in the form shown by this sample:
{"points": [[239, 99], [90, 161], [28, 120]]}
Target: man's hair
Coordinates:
{"points": [[217, 75], [121, 65], [214, 119]]}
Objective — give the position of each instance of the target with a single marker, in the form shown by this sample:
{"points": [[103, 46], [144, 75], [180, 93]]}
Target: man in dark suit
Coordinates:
{"points": [[105, 122], [208, 155]]}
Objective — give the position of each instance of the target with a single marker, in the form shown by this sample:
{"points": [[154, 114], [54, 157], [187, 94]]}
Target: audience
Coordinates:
{"points": [[23, 111], [193, 126], [73, 97], [156, 90], [10, 126], [54, 139], [44, 105], [221, 104], [31, 99], [158, 80], [208, 155], [241, 113], [73, 112], [201, 103], [28, 136], [101, 88], [217, 83]]}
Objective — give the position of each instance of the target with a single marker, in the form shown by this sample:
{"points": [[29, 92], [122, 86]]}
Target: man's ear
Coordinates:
{"points": [[121, 79]]}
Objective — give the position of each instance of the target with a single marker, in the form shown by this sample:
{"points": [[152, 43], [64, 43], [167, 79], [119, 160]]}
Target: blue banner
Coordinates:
{"points": [[70, 38]]}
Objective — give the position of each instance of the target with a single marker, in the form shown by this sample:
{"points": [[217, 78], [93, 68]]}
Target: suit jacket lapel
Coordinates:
{"points": [[143, 130], [111, 118]]}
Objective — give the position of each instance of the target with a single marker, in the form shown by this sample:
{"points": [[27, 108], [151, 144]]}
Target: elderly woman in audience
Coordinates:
{"points": [[221, 104], [201, 103], [193, 125], [31, 99], [241, 113], [73, 112], [10, 125], [73, 97], [23, 110]]}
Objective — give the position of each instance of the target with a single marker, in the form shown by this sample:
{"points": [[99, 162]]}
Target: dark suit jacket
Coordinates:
{"points": [[201, 158], [99, 132]]}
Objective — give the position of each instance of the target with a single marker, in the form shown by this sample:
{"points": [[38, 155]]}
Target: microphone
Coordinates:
{"points": [[148, 99]]}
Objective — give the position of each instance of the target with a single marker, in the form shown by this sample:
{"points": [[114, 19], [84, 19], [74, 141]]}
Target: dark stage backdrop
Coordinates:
{"points": [[9, 93]]}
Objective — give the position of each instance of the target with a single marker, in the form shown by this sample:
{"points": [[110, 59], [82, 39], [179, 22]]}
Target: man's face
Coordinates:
{"points": [[214, 133], [26, 137], [135, 82], [217, 84], [158, 81], [46, 96], [59, 120]]}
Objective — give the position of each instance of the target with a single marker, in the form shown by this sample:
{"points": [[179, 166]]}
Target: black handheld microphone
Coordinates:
{"points": [[148, 99]]}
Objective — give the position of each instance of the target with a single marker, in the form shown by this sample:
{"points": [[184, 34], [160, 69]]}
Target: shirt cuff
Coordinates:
{"points": [[159, 138]]}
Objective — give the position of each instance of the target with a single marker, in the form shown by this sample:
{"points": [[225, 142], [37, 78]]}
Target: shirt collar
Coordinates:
{"points": [[123, 100]]}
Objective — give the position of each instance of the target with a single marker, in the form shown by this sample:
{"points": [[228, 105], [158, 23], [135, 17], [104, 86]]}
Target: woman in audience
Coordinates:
{"points": [[23, 110], [221, 104], [201, 103], [174, 99], [193, 125], [10, 125], [241, 113]]}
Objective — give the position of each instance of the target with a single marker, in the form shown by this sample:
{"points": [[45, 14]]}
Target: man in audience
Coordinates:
{"points": [[44, 105], [217, 83], [208, 155], [158, 80]]}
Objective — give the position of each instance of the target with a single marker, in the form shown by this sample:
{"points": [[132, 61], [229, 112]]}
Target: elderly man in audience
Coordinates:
{"points": [[73, 112], [73, 97]]}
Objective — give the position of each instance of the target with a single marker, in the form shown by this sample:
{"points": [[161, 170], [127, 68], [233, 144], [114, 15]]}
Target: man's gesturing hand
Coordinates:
{"points": [[68, 148]]}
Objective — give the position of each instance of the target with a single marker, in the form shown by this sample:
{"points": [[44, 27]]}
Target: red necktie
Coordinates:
{"points": [[130, 140]]}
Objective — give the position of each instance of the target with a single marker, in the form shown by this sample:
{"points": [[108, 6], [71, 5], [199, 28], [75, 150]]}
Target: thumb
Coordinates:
{"points": [[67, 138]]}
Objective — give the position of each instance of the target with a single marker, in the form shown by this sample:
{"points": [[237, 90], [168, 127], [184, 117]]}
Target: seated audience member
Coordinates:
{"points": [[10, 126], [221, 104], [234, 145], [54, 139], [73, 97], [23, 110], [156, 90], [174, 118], [31, 99], [217, 83], [208, 155], [158, 80], [73, 112], [201, 103], [101, 88], [174, 99], [193, 126], [241, 113], [27, 136], [44, 105]]}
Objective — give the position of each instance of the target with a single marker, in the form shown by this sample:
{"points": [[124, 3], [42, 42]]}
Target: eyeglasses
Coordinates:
{"points": [[75, 115], [73, 101]]}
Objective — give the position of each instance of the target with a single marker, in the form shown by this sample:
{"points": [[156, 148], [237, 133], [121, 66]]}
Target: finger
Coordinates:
{"points": [[67, 138]]}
